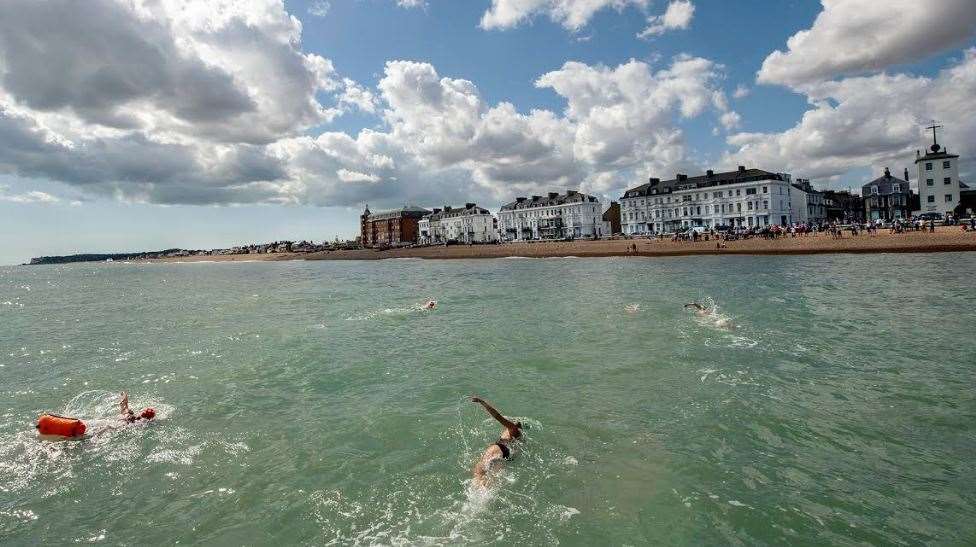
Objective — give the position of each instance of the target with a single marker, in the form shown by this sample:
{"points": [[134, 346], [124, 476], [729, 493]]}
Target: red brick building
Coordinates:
{"points": [[391, 228]]}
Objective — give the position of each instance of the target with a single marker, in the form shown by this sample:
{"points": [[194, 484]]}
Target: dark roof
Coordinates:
{"points": [[884, 185], [551, 199], [405, 211], [457, 212], [655, 186]]}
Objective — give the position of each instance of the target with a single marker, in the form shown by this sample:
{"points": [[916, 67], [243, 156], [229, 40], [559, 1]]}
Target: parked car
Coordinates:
{"points": [[928, 216]]}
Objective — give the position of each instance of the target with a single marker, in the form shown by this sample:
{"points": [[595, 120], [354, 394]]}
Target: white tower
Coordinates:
{"points": [[938, 178]]}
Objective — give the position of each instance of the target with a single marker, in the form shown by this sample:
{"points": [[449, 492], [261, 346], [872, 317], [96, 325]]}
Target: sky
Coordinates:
{"points": [[130, 125]]}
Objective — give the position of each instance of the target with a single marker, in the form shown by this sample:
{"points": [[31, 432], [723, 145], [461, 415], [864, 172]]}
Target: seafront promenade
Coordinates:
{"points": [[944, 239]]}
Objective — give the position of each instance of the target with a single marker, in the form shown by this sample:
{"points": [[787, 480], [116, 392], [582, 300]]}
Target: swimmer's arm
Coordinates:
{"points": [[495, 414], [124, 404]]}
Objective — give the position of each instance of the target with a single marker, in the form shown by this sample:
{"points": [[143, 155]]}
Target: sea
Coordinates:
{"points": [[821, 400]]}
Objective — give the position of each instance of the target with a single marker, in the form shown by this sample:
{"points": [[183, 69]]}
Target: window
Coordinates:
{"points": [[738, 207], [750, 191], [765, 204], [928, 166], [947, 180], [896, 188], [750, 205], [723, 207], [738, 192], [945, 165], [698, 210], [948, 198], [730, 193], [765, 189], [874, 189], [706, 209], [929, 182]]}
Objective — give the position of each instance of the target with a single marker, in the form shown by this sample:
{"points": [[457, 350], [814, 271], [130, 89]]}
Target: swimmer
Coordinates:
{"points": [[430, 304], [130, 417], [632, 308], [502, 449], [700, 309]]}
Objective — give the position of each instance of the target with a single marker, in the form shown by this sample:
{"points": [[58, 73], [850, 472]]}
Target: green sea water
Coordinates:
{"points": [[830, 400]]}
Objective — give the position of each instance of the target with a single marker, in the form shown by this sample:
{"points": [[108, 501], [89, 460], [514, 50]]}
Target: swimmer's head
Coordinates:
{"points": [[148, 413]]}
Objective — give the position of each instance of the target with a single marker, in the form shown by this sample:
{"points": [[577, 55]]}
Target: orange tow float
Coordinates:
{"points": [[52, 424]]}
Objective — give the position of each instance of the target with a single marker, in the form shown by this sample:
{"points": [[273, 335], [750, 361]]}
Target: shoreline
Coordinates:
{"points": [[945, 239]]}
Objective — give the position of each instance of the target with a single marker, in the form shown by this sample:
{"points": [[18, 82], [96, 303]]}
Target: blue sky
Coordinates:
{"points": [[214, 124]]}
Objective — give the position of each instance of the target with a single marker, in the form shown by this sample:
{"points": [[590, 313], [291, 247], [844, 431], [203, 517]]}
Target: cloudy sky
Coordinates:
{"points": [[144, 124]]}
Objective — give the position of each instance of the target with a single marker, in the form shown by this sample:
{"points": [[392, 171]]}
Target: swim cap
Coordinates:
{"points": [[148, 413]]}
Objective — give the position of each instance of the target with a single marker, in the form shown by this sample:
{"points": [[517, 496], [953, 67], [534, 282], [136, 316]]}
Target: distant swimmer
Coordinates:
{"points": [[502, 449], [632, 308], [130, 417], [700, 309], [52, 425], [430, 304]]}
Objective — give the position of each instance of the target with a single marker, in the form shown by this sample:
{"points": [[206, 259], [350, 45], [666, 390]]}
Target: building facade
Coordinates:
{"points": [[887, 198], [807, 204], [612, 215], [391, 228], [742, 198], [938, 180], [555, 216], [468, 224], [843, 206]]}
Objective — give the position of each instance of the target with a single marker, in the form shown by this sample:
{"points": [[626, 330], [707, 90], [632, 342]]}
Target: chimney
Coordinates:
{"points": [[571, 192], [887, 173], [906, 173], [742, 168], [447, 208], [682, 176], [655, 181], [469, 205], [536, 198], [519, 199], [553, 195], [709, 173], [436, 210]]}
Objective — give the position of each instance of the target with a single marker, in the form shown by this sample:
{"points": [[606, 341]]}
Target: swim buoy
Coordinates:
{"points": [[50, 424]]}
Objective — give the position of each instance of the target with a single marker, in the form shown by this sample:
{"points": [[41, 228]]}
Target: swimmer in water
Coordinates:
{"points": [[502, 449], [431, 304], [130, 417], [700, 309]]}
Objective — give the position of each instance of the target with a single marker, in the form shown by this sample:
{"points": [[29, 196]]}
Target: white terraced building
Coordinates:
{"points": [[554, 216], [741, 198], [470, 224]]}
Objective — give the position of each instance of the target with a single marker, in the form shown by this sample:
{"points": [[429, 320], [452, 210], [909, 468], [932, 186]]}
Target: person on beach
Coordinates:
{"points": [[700, 309], [502, 449]]}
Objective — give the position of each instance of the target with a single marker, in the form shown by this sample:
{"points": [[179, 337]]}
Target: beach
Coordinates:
{"points": [[945, 239]]}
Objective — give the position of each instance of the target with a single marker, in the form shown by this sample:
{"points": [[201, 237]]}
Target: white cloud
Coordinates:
{"points": [[206, 102], [871, 120], [677, 16], [853, 36], [571, 14], [34, 196], [319, 8], [741, 91]]}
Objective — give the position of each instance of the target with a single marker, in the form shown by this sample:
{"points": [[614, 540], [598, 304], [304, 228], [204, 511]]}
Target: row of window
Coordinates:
{"points": [[697, 210], [945, 165], [948, 198], [930, 182], [697, 196]]}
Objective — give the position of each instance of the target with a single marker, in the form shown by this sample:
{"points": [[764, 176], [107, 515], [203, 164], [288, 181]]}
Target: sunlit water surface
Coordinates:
{"points": [[828, 400]]}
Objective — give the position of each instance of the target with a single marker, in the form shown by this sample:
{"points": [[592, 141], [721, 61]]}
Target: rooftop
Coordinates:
{"points": [[553, 198], [710, 178]]}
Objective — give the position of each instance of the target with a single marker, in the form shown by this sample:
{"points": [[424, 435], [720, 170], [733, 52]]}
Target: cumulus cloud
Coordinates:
{"points": [[741, 92], [677, 16], [869, 120], [227, 114], [852, 37], [571, 14]]}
